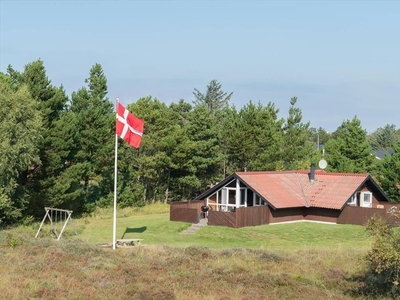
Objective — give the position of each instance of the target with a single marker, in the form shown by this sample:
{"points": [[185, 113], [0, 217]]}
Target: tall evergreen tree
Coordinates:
{"points": [[254, 137], [348, 150], [206, 155], [51, 103], [268, 138], [389, 174], [20, 134], [232, 141], [297, 150], [384, 138], [214, 99], [318, 137], [158, 145], [93, 141], [227, 122], [183, 179]]}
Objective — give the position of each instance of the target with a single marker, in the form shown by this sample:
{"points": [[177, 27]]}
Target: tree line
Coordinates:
{"points": [[58, 151]]}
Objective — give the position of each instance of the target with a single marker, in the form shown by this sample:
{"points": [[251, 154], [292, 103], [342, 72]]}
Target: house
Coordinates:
{"points": [[380, 154], [255, 198]]}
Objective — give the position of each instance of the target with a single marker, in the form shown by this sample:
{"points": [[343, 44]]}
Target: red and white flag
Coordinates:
{"points": [[129, 127]]}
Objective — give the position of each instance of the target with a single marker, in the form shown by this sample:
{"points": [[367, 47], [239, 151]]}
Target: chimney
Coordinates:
{"points": [[312, 173]]}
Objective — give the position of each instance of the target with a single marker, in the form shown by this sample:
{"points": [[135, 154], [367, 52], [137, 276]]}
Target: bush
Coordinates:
{"points": [[383, 260]]}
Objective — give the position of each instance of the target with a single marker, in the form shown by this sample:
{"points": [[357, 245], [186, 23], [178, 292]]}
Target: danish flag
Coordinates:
{"points": [[129, 127]]}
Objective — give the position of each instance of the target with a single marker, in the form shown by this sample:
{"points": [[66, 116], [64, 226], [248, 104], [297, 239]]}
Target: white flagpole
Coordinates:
{"points": [[115, 185]]}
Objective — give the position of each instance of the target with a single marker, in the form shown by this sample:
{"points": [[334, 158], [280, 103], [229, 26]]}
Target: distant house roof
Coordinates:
{"points": [[288, 189], [380, 154]]}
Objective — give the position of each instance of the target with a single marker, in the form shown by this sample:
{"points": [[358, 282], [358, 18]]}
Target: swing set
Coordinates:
{"points": [[58, 221]]}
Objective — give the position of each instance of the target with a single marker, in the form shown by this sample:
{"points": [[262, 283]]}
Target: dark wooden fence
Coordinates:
{"points": [[360, 215], [186, 211], [243, 216], [221, 218], [252, 216], [190, 211]]}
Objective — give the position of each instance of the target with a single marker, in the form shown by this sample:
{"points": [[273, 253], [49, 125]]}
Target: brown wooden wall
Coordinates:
{"points": [[190, 211], [252, 216], [243, 216], [222, 218], [188, 204], [303, 214], [322, 214], [360, 215], [185, 211], [189, 215], [286, 215]]}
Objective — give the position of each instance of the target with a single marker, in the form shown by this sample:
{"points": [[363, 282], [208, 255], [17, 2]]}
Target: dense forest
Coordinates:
{"points": [[58, 151]]}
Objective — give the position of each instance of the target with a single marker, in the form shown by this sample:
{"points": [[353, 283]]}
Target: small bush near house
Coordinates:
{"points": [[382, 277]]}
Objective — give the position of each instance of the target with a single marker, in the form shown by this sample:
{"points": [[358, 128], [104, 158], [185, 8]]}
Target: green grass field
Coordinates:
{"points": [[158, 230], [283, 261]]}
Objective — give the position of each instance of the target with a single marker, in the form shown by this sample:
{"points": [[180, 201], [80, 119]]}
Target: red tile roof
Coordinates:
{"points": [[294, 188]]}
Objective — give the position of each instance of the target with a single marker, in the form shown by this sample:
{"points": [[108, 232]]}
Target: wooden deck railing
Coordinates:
{"points": [[186, 211]]}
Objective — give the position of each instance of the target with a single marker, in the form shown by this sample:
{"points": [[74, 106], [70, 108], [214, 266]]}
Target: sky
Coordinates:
{"points": [[339, 58]]}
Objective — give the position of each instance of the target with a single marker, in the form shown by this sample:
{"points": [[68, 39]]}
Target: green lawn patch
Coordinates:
{"points": [[158, 230]]}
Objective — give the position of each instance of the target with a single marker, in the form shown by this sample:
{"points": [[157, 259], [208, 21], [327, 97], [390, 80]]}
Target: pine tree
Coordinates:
{"points": [[20, 124], [51, 103], [389, 174], [206, 156], [297, 150], [268, 137], [348, 150], [151, 165], [92, 114], [214, 99], [384, 138]]}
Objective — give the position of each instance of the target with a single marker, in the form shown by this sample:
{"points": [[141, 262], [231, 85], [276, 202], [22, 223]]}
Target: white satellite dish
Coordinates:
{"points": [[322, 164]]}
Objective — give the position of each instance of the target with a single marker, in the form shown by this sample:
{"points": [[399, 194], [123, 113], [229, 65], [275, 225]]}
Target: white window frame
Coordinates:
{"points": [[260, 202], [222, 196], [363, 203]]}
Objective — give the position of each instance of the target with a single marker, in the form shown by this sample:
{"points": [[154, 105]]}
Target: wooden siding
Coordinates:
{"points": [[252, 216], [286, 215], [189, 215], [185, 211], [190, 211], [322, 214], [221, 218], [188, 204], [303, 214], [360, 215], [243, 216]]}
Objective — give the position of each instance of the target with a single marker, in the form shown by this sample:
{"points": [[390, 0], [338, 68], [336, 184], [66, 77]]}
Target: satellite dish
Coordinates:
{"points": [[322, 164]]}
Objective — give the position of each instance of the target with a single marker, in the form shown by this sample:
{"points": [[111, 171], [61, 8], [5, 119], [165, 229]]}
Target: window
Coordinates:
{"points": [[243, 197], [258, 201], [352, 200], [366, 199]]}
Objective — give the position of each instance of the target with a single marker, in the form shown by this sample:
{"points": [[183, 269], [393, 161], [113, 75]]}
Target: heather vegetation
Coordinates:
{"points": [[285, 261]]}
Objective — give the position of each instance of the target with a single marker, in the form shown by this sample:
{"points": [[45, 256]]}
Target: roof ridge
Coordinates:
{"points": [[266, 172], [319, 172]]}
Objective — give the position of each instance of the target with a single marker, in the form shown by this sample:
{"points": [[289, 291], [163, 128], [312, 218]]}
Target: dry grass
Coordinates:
{"points": [[72, 269], [307, 261]]}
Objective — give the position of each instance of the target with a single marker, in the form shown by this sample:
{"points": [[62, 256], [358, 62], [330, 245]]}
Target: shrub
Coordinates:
{"points": [[383, 260]]}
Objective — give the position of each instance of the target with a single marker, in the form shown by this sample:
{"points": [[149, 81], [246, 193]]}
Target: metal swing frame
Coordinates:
{"points": [[49, 215]]}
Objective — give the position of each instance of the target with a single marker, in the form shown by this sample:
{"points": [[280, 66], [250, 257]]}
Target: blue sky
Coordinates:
{"points": [[340, 58]]}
